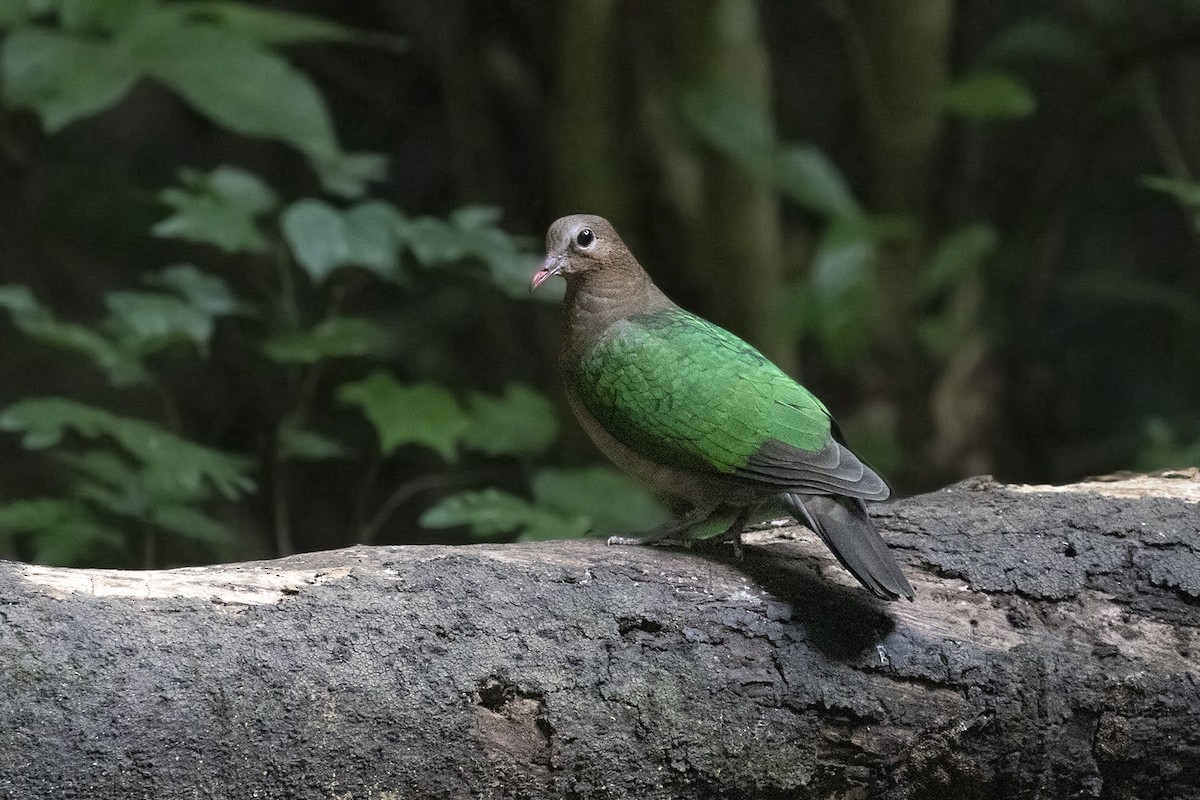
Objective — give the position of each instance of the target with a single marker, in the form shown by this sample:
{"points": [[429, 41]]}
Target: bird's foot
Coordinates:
{"points": [[665, 541], [705, 527], [673, 534]]}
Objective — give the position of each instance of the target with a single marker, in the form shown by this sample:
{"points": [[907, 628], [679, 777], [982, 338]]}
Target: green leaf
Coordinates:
{"points": [[189, 523], [492, 512], [373, 237], [108, 16], [189, 465], [62, 531], [347, 174], [14, 14], [961, 253], [567, 504], [472, 233], [609, 500], [420, 414], [1186, 193], [986, 96], [520, 421], [38, 513], [316, 234], [733, 125], [335, 337], [206, 293], [845, 258], [75, 543], [270, 26], [433, 241], [807, 176], [39, 323], [236, 82], [103, 466], [126, 501], [61, 77], [322, 238], [148, 321], [1161, 447], [1032, 40], [309, 446], [838, 298], [219, 208]]}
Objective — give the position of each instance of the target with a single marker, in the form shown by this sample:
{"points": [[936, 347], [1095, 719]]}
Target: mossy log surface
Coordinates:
{"points": [[1052, 652]]}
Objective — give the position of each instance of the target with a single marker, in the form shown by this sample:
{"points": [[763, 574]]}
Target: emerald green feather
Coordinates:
{"points": [[685, 393]]}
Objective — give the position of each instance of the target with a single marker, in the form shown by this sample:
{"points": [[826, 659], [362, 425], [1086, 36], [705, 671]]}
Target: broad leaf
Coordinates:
{"points": [[62, 531], [270, 26], [219, 208], [347, 174], [808, 177], [61, 77], [985, 96], [316, 234], [845, 257], [1186, 193], [472, 233], [39, 323], [190, 523], [38, 513], [734, 126], [309, 446], [206, 293], [322, 238], [837, 300], [76, 542], [611, 501], [492, 512], [567, 504], [433, 241], [1033, 40], [373, 236], [421, 414], [91, 16], [254, 91], [14, 14], [188, 465], [147, 321], [336, 337], [959, 254], [520, 421]]}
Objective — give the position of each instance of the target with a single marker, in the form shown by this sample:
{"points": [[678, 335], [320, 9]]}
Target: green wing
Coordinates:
{"points": [[683, 392]]}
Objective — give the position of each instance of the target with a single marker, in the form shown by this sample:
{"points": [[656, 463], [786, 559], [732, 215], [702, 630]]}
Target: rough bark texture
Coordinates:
{"points": [[1051, 653]]}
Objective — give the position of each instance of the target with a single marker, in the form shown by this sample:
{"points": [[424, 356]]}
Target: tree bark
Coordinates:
{"points": [[1051, 653]]}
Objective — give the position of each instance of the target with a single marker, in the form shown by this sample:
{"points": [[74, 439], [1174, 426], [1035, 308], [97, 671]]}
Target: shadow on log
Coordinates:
{"points": [[1051, 652]]}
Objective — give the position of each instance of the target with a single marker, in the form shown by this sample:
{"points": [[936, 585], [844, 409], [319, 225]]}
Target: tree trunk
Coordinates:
{"points": [[729, 218], [1051, 653]]}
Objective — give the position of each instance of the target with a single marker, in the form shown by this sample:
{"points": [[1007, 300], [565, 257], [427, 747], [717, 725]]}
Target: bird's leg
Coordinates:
{"points": [[666, 534], [704, 525], [732, 530]]}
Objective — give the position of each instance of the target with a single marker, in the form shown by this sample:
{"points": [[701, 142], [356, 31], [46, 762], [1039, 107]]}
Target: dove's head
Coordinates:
{"points": [[581, 244]]}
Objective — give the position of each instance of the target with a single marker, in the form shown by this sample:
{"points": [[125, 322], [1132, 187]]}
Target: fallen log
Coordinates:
{"points": [[1051, 652]]}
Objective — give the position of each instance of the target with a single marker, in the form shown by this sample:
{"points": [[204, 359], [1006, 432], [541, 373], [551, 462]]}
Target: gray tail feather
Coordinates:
{"points": [[843, 524]]}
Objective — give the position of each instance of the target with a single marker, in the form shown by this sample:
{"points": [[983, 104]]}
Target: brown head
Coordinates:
{"points": [[605, 283], [583, 245]]}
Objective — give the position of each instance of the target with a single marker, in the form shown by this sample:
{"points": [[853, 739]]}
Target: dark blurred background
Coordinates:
{"points": [[262, 265]]}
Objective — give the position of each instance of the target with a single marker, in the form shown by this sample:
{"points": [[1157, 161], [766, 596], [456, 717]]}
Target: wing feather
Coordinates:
{"points": [[683, 392]]}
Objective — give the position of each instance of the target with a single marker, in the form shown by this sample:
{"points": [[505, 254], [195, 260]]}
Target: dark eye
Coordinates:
{"points": [[585, 237]]}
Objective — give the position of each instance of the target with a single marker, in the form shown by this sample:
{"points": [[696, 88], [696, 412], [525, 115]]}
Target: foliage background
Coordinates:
{"points": [[262, 273]]}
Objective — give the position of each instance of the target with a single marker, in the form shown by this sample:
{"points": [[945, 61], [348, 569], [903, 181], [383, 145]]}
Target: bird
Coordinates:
{"points": [[696, 412]]}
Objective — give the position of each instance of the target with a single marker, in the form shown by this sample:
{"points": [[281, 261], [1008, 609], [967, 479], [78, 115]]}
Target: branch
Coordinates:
{"points": [[1051, 653]]}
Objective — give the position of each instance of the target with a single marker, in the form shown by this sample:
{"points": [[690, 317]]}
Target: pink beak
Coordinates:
{"points": [[550, 267]]}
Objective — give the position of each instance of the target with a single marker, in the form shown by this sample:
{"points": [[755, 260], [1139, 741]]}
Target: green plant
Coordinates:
{"points": [[299, 304]]}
